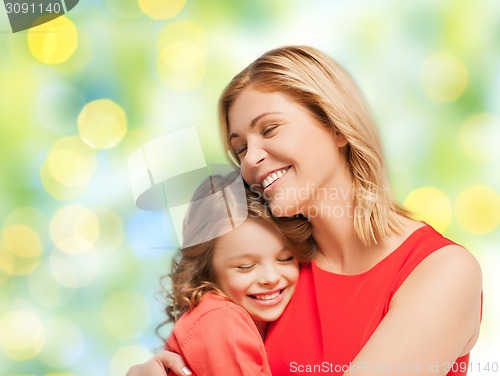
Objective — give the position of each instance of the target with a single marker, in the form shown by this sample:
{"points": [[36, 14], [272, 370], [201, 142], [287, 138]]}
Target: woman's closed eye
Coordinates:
{"points": [[241, 150]]}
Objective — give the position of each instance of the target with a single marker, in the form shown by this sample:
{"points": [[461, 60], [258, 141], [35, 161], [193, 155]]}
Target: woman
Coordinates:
{"points": [[384, 294]]}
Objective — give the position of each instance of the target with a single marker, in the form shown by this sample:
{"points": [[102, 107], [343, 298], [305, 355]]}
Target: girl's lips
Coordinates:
{"points": [[268, 298]]}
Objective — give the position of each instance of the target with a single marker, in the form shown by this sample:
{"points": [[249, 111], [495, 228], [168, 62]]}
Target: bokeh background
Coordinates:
{"points": [[80, 263]]}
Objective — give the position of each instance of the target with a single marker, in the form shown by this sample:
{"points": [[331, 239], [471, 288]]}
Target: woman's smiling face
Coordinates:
{"points": [[284, 151]]}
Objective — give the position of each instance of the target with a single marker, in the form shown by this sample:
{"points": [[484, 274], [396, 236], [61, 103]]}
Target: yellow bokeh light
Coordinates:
{"points": [[181, 61], [22, 241], [63, 178], [20, 250], [7, 263], [181, 66], [126, 357], [111, 230], [102, 124], [53, 42], [443, 77], [182, 31], [46, 290], [161, 9], [64, 343], [479, 138], [23, 334], [69, 167], [478, 209], [430, 205], [74, 229], [56, 189], [75, 271], [126, 314]]}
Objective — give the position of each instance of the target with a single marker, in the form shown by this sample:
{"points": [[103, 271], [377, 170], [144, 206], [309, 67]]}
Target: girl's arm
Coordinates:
{"points": [[225, 342], [433, 319], [222, 342]]}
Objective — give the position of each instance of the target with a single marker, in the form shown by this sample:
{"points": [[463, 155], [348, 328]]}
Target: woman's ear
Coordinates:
{"points": [[340, 139]]}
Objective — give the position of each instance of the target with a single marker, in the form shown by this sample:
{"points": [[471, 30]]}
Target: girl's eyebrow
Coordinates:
{"points": [[253, 123], [246, 255]]}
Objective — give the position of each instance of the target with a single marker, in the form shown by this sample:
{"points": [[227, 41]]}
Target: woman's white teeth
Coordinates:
{"points": [[271, 178], [268, 296]]}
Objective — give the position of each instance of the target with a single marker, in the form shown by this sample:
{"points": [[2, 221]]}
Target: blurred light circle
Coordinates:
{"points": [[53, 42], [126, 357], [479, 138], [46, 290], [443, 77], [64, 343], [182, 31], [7, 263], [478, 209], [31, 217], [22, 241], [181, 61], [25, 248], [23, 334], [181, 66], [56, 189], [57, 107], [74, 229], [111, 230], [69, 167], [57, 186], [126, 314], [431, 205], [161, 9], [75, 271], [102, 124]]}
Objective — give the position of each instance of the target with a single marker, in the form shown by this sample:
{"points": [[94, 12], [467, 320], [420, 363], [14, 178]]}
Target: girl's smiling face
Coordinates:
{"points": [[255, 269], [284, 151]]}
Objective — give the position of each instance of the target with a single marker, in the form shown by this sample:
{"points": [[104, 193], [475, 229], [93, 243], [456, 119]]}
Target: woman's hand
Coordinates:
{"points": [[159, 365]]}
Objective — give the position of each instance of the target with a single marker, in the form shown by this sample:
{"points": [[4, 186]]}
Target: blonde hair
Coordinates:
{"points": [[192, 274], [326, 90]]}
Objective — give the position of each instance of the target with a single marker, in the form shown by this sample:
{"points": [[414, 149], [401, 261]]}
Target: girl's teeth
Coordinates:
{"points": [[268, 297]]}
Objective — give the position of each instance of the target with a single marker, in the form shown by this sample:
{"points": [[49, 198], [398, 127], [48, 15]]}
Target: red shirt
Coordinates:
{"points": [[220, 338], [332, 316]]}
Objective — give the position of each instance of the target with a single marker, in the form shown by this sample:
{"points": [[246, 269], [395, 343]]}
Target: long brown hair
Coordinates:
{"points": [[326, 90]]}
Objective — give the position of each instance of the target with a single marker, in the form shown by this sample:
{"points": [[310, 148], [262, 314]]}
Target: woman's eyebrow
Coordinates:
{"points": [[253, 123]]}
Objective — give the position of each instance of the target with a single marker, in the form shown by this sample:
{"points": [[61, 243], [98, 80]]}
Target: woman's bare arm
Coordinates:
{"points": [[433, 319]]}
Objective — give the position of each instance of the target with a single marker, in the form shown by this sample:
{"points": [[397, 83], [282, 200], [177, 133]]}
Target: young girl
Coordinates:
{"points": [[225, 290]]}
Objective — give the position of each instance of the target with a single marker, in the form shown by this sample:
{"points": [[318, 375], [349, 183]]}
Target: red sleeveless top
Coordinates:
{"points": [[332, 316]]}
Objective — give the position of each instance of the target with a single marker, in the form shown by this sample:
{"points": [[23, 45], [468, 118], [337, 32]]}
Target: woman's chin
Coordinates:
{"points": [[281, 208]]}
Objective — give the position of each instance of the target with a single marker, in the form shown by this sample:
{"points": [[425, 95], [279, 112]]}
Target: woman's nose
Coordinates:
{"points": [[255, 154]]}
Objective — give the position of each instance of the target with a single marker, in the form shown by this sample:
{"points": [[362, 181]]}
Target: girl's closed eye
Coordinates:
{"points": [[285, 260], [245, 268]]}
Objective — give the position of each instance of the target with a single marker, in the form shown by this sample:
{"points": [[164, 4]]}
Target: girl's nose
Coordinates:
{"points": [[269, 276]]}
